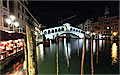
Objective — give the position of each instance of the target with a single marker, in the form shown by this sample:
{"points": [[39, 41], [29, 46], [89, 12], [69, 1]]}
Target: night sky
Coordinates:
{"points": [[49, 13]]}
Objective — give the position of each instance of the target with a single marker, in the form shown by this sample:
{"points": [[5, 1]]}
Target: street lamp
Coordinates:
{"points": [[11, 21], [115, 33]]}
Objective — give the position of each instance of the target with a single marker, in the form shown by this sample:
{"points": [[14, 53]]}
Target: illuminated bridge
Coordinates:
{"points": [[51, 33]]}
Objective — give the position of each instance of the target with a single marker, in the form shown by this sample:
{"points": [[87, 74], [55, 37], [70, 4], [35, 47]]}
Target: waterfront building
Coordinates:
{"points": [[4, 12]]}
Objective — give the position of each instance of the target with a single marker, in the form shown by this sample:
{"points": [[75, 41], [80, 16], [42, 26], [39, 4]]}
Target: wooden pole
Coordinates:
{"points": [[57, 56], [92, 55], [67, 54], [83, 54], [31, 69], [25, 65], [97, 50]]}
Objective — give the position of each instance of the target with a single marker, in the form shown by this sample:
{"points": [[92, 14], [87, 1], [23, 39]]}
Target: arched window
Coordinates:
{"points": [[48, 31], [79, 31], [59, 30], [73, 29], [52, 31], [70, 29], [76, 30], [55, 30], [62, 29], [45, 32]]}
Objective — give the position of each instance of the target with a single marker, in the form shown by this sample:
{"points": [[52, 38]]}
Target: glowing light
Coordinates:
{"points": [[100, 35], [4, 42], [12, 17], [100, 43], [19, 40], [87, 32], [10, 40], [93, 33], [8, 21], [16, 24], [41, 51], [69, 49], [115, 33], [114, 53], [94, 46], [16, 41]]}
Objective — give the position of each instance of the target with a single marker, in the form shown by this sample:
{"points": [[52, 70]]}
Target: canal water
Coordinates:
{"points": [[69, 59], [66, 58]]}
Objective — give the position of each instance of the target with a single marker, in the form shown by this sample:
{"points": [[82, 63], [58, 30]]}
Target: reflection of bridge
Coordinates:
{"points": [[51, 33]]}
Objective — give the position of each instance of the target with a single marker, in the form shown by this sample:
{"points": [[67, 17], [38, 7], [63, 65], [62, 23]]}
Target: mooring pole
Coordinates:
{"points": [[92, 55], [31, 69], [83, 54], [25, 65], [67, 54], [97, 50], [57, 55]]}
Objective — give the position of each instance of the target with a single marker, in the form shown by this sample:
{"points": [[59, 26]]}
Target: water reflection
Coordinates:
{"points": [[67, 52], [41, 52], [94, 46], [14, 68], [87, 45], [100, 43], [114, 53]]}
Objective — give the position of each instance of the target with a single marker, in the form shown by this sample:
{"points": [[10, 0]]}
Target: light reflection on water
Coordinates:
{"points": [[48, 63], [94, 46], [65, 48], [114, 53], [41, 52]]}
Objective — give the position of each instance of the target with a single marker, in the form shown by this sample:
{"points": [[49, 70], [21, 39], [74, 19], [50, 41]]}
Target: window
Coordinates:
{"points": [[55, 30], [45, 32], [48, 31], [25, 19], [62, 29], [18, 15], [5, 3], [73, 29], [22, 18], [52, 31], [18, 6], [59, 30], [23, 28], [5, 24], [5, 16], [76, 30], [22, 9]]}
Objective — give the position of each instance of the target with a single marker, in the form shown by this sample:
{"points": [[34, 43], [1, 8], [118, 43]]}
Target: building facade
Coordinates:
{"points": [[80, 26], [87, 25], [106, 26], [4, 12], [19, 10], [16, 8]]}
